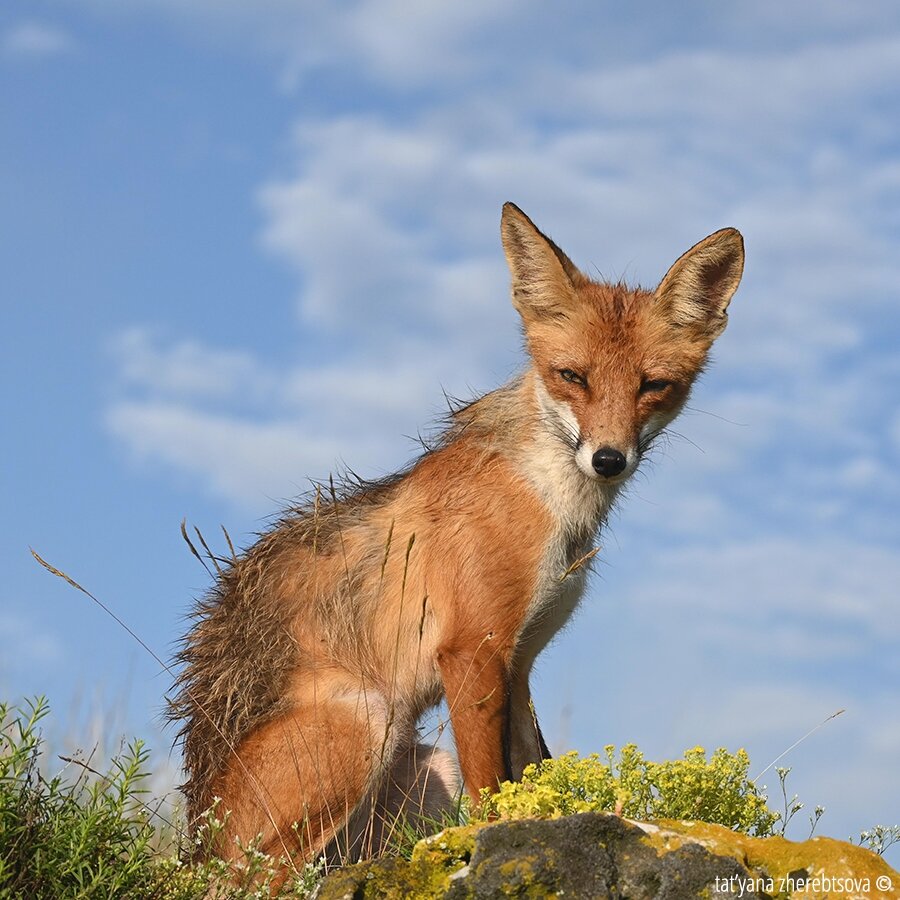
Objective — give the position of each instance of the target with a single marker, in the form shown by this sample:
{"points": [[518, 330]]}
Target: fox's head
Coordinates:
{"points": [[615, 365]]}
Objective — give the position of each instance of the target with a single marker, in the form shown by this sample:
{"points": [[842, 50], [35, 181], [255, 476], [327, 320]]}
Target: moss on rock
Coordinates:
{"points": [[595, 855]]}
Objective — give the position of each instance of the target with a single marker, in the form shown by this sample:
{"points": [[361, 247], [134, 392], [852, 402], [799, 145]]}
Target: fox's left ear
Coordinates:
{"points": [[698, 288]]}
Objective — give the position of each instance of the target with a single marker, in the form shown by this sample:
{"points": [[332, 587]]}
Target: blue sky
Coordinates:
{"points": [[245, 243]]}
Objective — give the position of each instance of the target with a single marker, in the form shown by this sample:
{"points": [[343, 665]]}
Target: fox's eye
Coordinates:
{"points": [[654, 386], [572, 377]]}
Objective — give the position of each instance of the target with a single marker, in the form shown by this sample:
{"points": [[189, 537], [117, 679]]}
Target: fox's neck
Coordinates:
{"points": [[578, 502]]}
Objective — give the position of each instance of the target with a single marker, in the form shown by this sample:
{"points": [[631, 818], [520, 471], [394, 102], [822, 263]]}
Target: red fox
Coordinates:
{"points": [[319, 649]]}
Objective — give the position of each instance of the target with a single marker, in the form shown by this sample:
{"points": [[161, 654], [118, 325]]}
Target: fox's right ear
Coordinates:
{"points": [[543, 277]]}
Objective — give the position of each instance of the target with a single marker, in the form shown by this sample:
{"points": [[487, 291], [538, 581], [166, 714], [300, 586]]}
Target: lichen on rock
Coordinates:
{"points": [[820, 867]]}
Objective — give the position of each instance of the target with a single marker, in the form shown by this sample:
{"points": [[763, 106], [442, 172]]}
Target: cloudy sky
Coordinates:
{"points": [[244, 244]]}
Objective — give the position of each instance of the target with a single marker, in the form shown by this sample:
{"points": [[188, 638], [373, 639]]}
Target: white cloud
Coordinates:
{"points": [[402, 45], [244, 461], [34, 40], [378, 236], [254, 436], [187, 368], [793, 88], [790, 605]]}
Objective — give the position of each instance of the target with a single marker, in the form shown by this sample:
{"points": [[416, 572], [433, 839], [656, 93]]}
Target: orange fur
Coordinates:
{"points": [[320, 648]]}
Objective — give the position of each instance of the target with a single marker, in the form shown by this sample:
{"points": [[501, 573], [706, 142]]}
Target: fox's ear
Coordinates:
{"points": [[543, 277], [698, 288]]}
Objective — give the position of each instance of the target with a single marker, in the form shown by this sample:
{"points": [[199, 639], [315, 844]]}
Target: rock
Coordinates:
{"points": [[594, 855]]}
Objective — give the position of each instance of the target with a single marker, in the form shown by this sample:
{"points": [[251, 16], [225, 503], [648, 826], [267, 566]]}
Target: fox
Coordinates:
{"points": [[316, 653]]}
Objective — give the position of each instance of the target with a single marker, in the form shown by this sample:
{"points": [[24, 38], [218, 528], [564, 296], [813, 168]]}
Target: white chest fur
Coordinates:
{"points": [[557, 593], [577, 504]]}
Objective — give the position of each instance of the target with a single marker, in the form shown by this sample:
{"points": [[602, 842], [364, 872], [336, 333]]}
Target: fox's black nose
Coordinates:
{"points": [[608, 462]]}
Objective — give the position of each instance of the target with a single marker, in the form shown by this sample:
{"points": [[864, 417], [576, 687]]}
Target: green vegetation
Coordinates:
{"points": [[95, 835]]}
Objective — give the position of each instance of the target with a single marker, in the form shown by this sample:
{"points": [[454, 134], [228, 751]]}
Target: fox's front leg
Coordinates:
{"points": [[475, 673], [525, 741]]}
